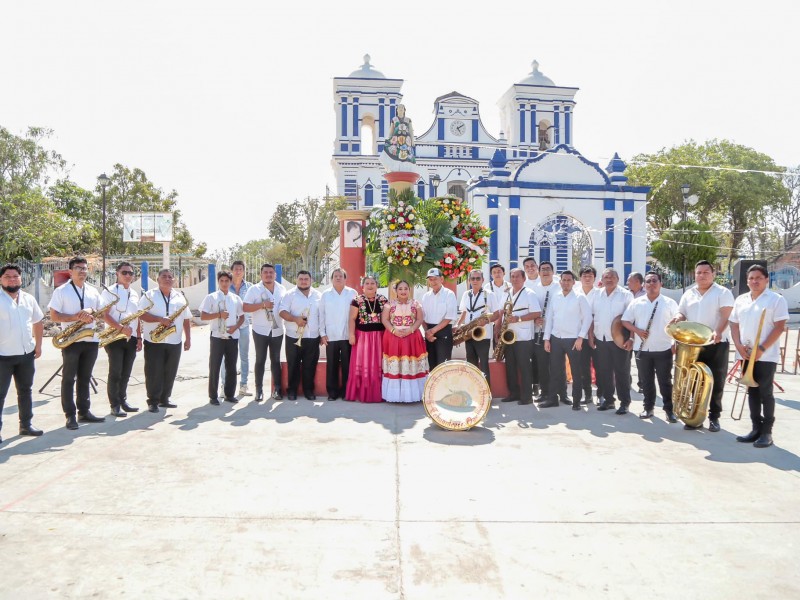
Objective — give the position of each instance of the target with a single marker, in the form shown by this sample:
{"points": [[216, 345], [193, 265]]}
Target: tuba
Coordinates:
{"points": [[109, 335], [162, 332], [506, 336], [76, 332], [693, 381]]}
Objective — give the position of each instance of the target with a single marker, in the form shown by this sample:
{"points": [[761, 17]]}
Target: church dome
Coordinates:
{"points": [[536, 77], [366, 71]]}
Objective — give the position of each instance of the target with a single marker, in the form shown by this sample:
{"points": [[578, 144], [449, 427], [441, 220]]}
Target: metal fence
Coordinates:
{"points": [[320, 269]]}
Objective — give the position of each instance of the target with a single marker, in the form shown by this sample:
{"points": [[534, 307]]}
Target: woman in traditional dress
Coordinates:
{"points": [[366, 337], [405, 360]]}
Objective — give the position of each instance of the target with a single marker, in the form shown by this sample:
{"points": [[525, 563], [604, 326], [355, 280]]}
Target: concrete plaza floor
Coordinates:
{"points": [[340, 500]]}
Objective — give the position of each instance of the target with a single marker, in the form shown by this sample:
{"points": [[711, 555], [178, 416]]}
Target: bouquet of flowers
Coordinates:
{"points": [[471, 239], [403, 238]]}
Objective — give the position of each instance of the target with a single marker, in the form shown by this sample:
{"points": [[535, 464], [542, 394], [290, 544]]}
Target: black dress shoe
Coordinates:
{"points": [[259, 395], [647, 413], [152, 408], [277, 395], [233, 400], [214, 401], [606, 406], [72, 423], [30, 430], [292, 396], [693, 427], [509, 399], [310, 397], [713, 426], [750, 437], [576, 406], [537, 391], [566, 401], [88, 417], [331, 398], [764, 441], [116, 411], [128, 408], [167, 404], [671, 417], [549, 403], [527, 401], [622, 410]]}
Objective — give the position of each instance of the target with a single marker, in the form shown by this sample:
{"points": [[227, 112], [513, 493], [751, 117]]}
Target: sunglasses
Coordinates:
{"points": [[126, 272]]}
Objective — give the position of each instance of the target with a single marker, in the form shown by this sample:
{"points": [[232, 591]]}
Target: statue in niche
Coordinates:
{"points": [[400, 143], [544, 135]]}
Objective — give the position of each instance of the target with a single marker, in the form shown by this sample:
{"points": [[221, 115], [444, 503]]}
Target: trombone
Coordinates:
{"points": [[747, 378]]}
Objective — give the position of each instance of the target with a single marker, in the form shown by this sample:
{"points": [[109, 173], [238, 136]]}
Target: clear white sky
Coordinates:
{"points": [[231, 104]]}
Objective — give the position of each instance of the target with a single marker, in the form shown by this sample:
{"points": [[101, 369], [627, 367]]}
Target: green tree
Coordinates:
{"points": [[730, 200], [80, 206], [24, 162], [682, 247]]}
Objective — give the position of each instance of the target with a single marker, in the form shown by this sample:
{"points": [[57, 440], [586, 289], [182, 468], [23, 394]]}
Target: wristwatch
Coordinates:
{"points": [[761, 347]]}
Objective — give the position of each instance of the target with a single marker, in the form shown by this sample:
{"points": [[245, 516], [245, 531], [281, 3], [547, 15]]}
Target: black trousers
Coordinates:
{"points": [[562, 349], [761, 398], [227, 350], [77, 363], [542, 368], [478, 355], [587, 356], [301, 362], [518, 372], [160, 369], [652, 366], [716, 356], [22, 368], [613, 371], [533, 363], [338, 360], [121, 355], [268, 344], [441, 349]]}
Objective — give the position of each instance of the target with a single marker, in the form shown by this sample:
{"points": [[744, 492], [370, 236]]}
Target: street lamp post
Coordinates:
{"points": [[103, 180]]}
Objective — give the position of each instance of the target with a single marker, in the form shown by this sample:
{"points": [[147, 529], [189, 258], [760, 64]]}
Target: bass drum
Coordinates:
{"points": [[457, 395]]}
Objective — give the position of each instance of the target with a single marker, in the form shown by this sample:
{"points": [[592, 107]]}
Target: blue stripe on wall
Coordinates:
{"points": [[493, 257], [513, 201], [356, 132], [521, 123], [475, 130], [368, 198], [628, 240], [557, 124], [609, 242], [381, 113], [514, 241], [491, 201], [344, 117], [567, 125]]}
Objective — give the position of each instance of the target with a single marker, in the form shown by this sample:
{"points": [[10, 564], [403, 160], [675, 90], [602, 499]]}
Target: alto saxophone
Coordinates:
{"points": [[76, 331], [162, 332], [109, 335], [506, 337]]}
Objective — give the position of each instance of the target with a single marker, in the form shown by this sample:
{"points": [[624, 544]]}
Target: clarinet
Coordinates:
{"points": [[539, 336], [647, 329]]}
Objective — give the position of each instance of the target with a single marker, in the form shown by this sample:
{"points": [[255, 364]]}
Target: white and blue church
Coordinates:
{"points": [[535, 191]]}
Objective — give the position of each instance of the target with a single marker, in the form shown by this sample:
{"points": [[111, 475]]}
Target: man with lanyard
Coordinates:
{"points": [[588, 274], [474, 303], [240, 288], [567, 325], [71, 302], [531, 279], [745, 318], [161, 358], [439, 309], [635, 285], [21, 332], [262, 302], [334, 317], [226, 313], [518, 355], [710, 304], [498, 286], [545, 289], [300, 308], [613, 363], [122, 353], [646, 317]]}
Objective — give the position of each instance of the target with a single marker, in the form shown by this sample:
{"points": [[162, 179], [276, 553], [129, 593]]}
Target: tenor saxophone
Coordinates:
{"points": [[162, 332], [76, 331], [109, 335]]}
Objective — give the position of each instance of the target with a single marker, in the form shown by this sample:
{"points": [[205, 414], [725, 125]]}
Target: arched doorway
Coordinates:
{"points": [[562, 240]]}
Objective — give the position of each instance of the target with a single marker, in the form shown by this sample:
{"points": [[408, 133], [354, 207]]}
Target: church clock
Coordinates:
{"points": [[458, 128]]}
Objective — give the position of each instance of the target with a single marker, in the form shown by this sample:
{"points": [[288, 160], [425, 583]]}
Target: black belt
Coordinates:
{"points": [[435, 324]]}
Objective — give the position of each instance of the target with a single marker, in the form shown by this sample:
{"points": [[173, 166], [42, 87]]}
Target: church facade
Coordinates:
{"points": [[535, 191]]}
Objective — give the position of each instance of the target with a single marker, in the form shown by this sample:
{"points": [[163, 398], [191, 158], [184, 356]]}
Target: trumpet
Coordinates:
{"points": [[302, 328], [109, 335], [76, 331], [222, 326], [747, 379], [270, 315]]}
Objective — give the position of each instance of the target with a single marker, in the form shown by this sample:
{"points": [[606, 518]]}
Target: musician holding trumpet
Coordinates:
{"points": [[225, 310], [164, 326], [299, 310], [757, 322], [646, 317]]}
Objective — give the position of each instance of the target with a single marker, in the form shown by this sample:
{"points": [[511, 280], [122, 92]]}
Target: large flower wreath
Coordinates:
{"points": [[470, 237]]}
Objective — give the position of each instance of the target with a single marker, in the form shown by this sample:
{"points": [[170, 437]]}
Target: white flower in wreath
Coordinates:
{"points": [[401, 203], [419, 258], [411, 217], [472, 260], [445, 201], [401, 220], [448, 260], [389, 259]]}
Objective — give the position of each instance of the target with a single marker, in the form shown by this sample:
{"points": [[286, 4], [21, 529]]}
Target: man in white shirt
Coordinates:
{"points": [[225, 310], [170, 313], [613, 363], [545, 288], [518, 355], [635, 285], [21, 332], [565, 330], [71, 302], [240, 286], [531, 280], [439, 309], [531, 271], [262, 302], [646, 317], [475, 302], [299, 310], [710, 304], [122, 353], [587, 276], [498, 286], [334, 317], [745, 318]]}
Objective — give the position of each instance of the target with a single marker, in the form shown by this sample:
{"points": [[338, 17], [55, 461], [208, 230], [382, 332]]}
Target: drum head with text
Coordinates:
{"points": [[457, 395]]}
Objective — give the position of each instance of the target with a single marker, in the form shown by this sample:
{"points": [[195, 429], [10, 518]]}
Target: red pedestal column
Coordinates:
{"points": [[352, 245], [401, 180]]}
